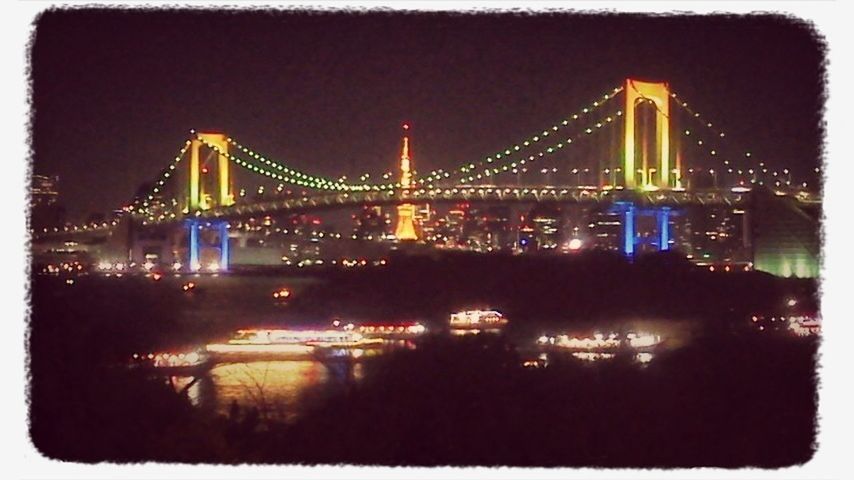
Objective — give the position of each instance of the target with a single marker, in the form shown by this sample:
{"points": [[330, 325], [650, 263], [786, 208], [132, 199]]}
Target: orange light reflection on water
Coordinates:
{"points": [[273, 386]]}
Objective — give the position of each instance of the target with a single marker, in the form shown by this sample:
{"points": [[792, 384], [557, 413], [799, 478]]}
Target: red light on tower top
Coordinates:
{"points": [[406, 126]]}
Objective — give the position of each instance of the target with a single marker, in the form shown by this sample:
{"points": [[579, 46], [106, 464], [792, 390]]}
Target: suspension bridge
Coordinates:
{"points": [[638, 149]]}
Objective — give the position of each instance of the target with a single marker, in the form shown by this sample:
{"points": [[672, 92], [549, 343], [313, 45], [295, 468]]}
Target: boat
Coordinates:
{"points": [[477, 320], [602, 344], [290, 343], [172, 364], [384, 330]]}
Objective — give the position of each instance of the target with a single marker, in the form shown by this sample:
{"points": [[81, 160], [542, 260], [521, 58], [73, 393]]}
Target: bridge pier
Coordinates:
{"points": [[630, 213], [223, 246], [193, 248], [628, 229], [195, 228], [663, 214]]}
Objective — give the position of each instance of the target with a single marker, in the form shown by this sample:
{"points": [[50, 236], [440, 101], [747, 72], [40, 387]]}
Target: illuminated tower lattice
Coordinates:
{"points": [[659, 95], [405, 229]]}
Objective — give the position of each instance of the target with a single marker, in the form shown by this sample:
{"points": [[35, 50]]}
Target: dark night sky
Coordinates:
{"points": [[115, 92]]}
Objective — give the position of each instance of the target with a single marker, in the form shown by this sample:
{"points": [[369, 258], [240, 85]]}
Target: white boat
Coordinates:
{"points": [[476, 321], [290, 342]]}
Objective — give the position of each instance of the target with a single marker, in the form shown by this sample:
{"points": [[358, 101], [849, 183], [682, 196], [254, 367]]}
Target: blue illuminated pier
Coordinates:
{"points": [[630, 213]]}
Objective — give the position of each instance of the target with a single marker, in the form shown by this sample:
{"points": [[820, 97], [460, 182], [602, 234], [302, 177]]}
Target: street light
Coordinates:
{"points": [[548, 173]]}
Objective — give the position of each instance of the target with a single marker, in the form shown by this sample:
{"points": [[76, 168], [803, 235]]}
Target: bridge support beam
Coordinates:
{"points": [[663, 217], [223, 246], [193, 247], [195, 228], [629, 230]]}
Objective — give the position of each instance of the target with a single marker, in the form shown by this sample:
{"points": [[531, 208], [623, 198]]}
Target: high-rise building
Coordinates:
{"points": [[496, 224], [546, 221], [370, 224], [450, 229], [717, 234], [45, 210], [606, 227], [44, 190]]}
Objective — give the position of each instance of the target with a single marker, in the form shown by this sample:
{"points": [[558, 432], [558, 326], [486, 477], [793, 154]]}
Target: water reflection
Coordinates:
{"points": [[274, 387]]}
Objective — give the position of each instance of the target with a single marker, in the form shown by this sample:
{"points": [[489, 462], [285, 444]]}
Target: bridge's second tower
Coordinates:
{"points": [[405, 229], [638, 92]]}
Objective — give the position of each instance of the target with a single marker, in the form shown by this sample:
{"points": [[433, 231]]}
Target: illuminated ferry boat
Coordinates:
{"points": [[384, 330], [600, 343], [475, 321], [291, 343], [173, 364]]}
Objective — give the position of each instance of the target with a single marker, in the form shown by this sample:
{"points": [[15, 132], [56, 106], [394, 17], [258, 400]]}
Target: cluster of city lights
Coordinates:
{"points": [[63, 267], [799, 325], [359, 262]]}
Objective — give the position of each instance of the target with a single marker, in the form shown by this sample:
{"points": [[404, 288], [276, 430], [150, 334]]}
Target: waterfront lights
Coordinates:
{"points": [[213, 266], [176, 266]]}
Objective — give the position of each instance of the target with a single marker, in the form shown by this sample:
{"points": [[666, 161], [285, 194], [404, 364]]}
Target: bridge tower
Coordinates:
{"points": [[658, 93], [199, 200], [405, 228]]}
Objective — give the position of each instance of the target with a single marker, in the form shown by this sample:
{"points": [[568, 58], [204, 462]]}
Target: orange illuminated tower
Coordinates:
{"points": [[405, 229], [198, 200], [659, 94]]}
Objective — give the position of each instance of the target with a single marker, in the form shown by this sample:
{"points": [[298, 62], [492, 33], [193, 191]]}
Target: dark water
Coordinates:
{"points": [[221, 304], [726, 392]]}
